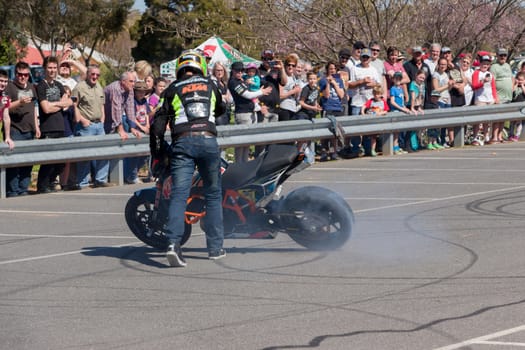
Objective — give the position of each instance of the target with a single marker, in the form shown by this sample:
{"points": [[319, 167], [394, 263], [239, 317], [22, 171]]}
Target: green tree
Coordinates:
{"points": [[169, 27], [10, 31], [89, 22]]}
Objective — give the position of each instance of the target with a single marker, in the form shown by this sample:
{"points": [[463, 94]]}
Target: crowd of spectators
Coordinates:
{"points": [[361, 83], [281, 88]]}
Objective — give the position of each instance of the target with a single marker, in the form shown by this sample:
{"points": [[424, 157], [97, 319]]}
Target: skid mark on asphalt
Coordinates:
{"points": [[488, 340]]}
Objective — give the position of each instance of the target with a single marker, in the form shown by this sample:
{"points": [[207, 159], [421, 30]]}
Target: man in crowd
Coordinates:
{"points": [[89, 116], [119, 106], [24, 125], [51, 101]]}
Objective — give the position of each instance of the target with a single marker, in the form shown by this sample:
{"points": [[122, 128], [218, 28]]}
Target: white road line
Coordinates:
{"points": [[484, 338], [436, 199], [47, 212], [62, 236], [416, 170], [412, 183], [62, 254], [500, 343]]}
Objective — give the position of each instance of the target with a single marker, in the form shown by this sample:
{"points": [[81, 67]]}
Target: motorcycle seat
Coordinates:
{"points": [[237, 175], [275, 157]]}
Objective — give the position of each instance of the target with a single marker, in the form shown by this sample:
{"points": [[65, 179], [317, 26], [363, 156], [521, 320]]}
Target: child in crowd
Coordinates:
{"points": [[142, 110], [377, 105], [433, 134], [253, 81], [397, 104], [5, 120], [485, 93], [309, 99], [153, 99], [518, 95], [416, 101]]}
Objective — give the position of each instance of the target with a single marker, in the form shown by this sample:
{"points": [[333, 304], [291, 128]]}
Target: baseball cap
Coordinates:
{"points": [[366, 52], [502, 51], [251, 65], [345, 52], [398, 75], [445, 49], [359, 45], [417, 49], [267, 54], [237, 66], [141, 85], [485, 58]]}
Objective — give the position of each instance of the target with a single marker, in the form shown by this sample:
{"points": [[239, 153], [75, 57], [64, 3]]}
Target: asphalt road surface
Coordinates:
{"points": [[436, 261]]}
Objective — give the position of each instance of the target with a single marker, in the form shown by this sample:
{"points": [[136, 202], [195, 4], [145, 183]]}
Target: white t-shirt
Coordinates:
{"points": [[442, 80], [485, 93], [363, 93]]}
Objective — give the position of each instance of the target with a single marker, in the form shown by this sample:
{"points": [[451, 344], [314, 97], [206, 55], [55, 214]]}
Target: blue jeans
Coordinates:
{"points": [[186, 153], [100, 167], [18, 179], [358, 141], [131, 164]]}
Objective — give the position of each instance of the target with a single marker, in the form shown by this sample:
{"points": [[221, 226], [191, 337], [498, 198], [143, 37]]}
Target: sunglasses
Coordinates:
{"points": [[375, 50], [25, 75], [95, 75], [344, 57], [290, 65]]}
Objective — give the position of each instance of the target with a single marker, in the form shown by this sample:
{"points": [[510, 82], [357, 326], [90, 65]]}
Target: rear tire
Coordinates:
{"points": [[317, 218], [139, 214]]}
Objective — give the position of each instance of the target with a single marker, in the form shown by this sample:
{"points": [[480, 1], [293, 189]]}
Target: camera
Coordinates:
{"points": [[74, 98], [272, 63], [487, 75]]}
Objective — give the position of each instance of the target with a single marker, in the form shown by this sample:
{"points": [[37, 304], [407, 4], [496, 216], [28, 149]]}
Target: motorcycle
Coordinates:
{"points": [[253, 207]]}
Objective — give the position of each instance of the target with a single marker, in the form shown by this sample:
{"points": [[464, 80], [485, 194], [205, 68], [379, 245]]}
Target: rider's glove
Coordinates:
{"points": [[157, 165]]}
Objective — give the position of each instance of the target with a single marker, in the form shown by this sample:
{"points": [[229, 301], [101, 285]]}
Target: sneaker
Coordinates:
{"points": [[431, 147], [174, 256], [102, 184], [514, 138], [361, 151], [437, 146], [324, 157], [216, 254], [373, 153]]}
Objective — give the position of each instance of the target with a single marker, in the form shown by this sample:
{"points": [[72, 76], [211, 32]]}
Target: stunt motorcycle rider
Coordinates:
{"points": [[190, 105]]}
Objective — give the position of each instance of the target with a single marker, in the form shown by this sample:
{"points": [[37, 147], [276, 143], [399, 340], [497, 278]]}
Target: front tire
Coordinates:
{"points": [[317, 218], [139, 214]]}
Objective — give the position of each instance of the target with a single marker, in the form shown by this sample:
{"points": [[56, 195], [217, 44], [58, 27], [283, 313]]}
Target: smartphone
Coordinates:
{"points": [[74, 98], [33, 98], [272, 63]]}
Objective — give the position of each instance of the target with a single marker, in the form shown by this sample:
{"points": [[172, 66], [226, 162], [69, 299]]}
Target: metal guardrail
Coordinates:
{"points": [[112, 147]]}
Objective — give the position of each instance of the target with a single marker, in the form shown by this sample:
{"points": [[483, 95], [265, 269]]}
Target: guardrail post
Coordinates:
{"points": [[459, 136], [388, 144], [116, 171], [3, 183]]}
